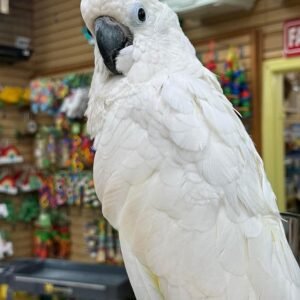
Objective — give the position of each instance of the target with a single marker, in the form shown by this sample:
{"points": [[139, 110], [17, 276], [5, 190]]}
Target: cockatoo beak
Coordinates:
{"points": [[111, 38]]}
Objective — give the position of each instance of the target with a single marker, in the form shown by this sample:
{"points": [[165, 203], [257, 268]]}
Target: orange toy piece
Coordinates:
{"points": [[64, 248]]}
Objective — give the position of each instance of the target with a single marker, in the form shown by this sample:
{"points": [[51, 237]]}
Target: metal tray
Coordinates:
{"points": [[74, 280]]}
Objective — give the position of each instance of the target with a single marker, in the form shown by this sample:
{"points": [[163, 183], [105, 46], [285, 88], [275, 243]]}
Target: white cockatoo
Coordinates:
{"points": [[177, 174]]}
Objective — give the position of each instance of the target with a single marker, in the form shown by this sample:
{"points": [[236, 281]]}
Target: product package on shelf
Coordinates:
{"points": [[8, 183], [26, 211], [14, 95], [75, 105], [70, 95], [52, 235], [11, 215], [103, 242], [29, 180], [26, 126], [6, 246], [233, 80], [234, 84], [43, 236], [57, 148], [65, 188], [19, 180], [46, 95], [45, 148], [10, 155], [29, 209], [61, 234]]}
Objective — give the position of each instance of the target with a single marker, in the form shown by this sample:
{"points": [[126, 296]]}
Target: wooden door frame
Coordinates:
{"points": [[273, 122]]}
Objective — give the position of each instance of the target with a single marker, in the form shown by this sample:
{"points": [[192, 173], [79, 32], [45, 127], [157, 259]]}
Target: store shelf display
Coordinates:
{"points": [[52, 235], [233, 80], [43, 189], [46, 95], [19, 181], [66, 188], [8, 184], [64, 157], [102, 242], [27, 210], [10, 155], [10, 95], [11, 212], [68, 95]]}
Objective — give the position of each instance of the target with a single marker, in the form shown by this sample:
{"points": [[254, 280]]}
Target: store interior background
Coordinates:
{"points": [[60, 48]]}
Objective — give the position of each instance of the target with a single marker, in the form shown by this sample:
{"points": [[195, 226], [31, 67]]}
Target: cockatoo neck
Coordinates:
{"points": [[149, 56]]}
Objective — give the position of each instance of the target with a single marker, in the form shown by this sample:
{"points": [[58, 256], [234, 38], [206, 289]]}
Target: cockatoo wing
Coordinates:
{"points": [[182, 181]]}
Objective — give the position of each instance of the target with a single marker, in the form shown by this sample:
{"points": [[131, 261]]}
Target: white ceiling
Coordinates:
{"points": [[182, 6]]}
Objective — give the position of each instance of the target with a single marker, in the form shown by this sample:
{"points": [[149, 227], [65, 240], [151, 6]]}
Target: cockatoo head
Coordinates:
{"points": [[136, 40], [130, 31]]}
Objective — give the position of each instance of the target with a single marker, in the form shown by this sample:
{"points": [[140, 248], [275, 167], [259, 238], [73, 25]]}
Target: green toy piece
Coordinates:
{"points": [[44, 220], [12, 218], [29, 210]]}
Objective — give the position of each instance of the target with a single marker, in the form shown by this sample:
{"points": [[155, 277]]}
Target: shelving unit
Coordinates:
{"points": [[81, 217], [20, 234]]}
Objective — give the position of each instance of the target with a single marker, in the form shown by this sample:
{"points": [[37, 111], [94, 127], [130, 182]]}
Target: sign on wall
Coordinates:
{"points": [[292, 38]]}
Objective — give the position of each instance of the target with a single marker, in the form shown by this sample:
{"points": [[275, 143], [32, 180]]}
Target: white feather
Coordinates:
{"points": [[178, 175]]}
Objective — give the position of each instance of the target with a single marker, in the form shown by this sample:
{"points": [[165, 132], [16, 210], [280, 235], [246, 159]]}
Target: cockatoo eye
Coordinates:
{"points": [[142, 15], [138, 14]]}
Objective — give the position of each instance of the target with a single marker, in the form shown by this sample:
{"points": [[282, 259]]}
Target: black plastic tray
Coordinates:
{"points": [[2, 279], [74, 280]]}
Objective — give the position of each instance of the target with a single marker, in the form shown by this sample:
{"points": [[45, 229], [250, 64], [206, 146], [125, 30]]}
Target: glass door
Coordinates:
{"points": [[281, 129], [292, 140]]}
